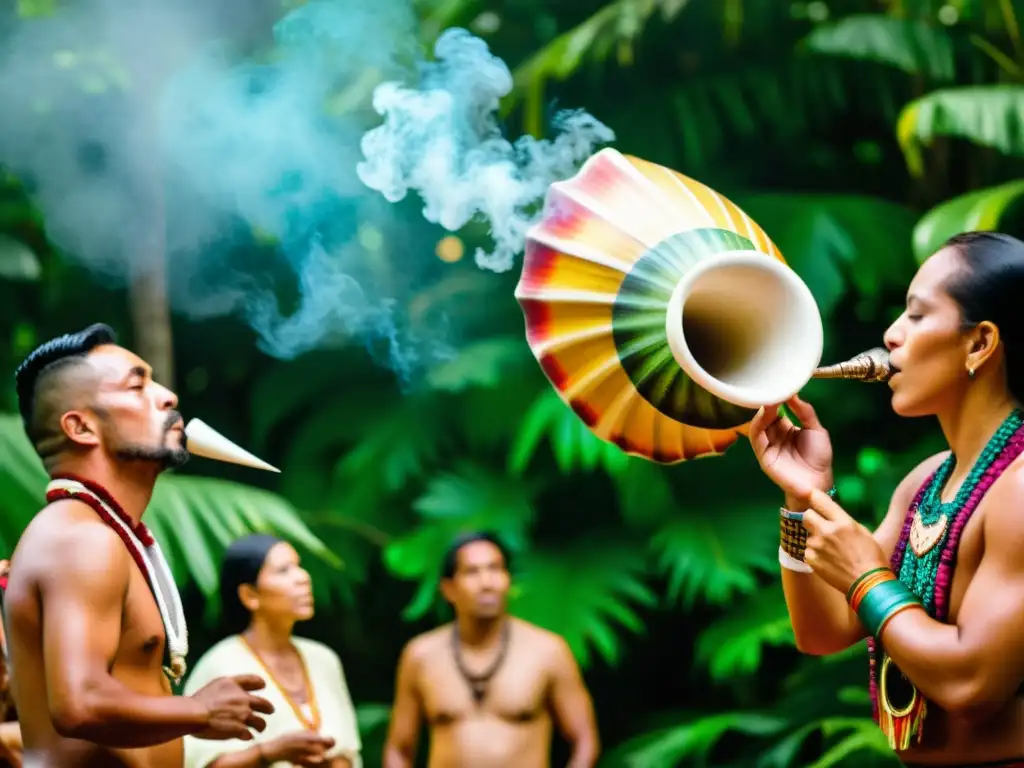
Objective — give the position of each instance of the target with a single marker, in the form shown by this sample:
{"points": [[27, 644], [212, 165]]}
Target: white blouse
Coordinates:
{"points": [[232, 656]]}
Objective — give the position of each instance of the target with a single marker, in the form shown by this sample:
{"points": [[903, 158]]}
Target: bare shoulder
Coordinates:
{"points": [[543, 642], [423, 646], [1003, 514], [66, 541]]}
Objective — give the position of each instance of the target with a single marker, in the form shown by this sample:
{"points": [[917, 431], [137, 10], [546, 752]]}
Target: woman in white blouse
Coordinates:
{"points": [[264, 592]]}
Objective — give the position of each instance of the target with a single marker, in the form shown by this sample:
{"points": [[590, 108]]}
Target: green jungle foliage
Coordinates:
{"points": [[859, 134]]}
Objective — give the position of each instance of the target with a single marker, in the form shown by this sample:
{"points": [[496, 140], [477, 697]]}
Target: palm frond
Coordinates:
{"points": [[468, 497], [584, 593], [574, 446], [715, 557], [732, 646]]}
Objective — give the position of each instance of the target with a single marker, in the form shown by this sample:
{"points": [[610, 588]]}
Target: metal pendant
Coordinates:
{"points": [[924, 538]]}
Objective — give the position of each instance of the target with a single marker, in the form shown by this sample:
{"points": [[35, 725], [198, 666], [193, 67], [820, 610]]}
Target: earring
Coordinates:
{"points": [[970, 373]]}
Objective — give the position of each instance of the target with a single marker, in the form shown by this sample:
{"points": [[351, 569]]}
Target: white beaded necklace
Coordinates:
{"points": [[158, 575]]}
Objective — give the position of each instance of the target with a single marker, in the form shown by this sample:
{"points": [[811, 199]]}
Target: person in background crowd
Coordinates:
{"points": [[488, 685], [264, 592]]}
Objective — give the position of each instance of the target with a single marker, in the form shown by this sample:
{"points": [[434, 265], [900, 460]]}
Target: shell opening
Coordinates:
{"points": [[744, 327]]}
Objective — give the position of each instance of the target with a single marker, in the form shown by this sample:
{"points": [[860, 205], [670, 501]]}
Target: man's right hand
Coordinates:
{"points": [[298, 747], [232, 709]]}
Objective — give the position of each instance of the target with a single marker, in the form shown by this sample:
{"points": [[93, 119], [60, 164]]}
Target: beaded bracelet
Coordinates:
{"points": [[793, 534], [877, 596]]}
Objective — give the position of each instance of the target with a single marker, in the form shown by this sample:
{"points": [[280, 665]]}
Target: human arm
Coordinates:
{"points": [[11, 746], [573, 709], [822, 620], [82, 596], [406, 713]]}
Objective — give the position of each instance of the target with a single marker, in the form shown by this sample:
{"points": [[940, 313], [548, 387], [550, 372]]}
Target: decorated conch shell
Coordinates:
{"points": [[662, 314]]}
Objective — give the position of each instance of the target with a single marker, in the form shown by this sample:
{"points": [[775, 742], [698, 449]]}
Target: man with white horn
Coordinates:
{"points": [[94, 619]]}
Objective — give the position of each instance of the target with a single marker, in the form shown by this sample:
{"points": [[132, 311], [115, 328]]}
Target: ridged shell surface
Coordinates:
{"points": [[598, 273]]}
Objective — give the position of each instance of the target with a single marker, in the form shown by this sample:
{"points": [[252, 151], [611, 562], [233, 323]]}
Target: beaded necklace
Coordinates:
{"points": [[148, 556], [924, 560]]}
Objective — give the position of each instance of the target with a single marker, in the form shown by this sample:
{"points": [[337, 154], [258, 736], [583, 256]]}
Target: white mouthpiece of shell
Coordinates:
{"points": [[203, 440]]}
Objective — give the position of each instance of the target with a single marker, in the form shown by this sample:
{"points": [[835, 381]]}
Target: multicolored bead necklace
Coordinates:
{"points": [[925, 557]]}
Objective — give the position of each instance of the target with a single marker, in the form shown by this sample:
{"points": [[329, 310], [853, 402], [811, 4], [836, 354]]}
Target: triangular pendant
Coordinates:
{"points": [[479, 690], [923, 538]]}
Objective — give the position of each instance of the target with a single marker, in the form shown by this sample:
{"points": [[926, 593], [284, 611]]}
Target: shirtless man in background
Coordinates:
{"points": [[85, 635], [488, 685]]}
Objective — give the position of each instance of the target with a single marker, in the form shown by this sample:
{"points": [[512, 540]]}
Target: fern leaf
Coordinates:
{"points": [[584, 594], [732, 646]]}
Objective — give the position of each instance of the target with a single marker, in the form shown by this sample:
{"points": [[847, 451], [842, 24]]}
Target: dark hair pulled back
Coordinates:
{"points": [[991, 287]]}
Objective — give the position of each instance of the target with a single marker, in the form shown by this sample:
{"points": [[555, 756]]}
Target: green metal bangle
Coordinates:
{"points": [[882, 602], [857, 583]]}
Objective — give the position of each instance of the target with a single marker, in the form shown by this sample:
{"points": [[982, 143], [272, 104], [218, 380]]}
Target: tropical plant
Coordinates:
{"points": [[859, 140]]}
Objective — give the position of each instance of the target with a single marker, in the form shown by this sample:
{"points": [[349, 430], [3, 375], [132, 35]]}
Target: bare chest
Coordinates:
{"points": [[516, 693], [142, 630]]}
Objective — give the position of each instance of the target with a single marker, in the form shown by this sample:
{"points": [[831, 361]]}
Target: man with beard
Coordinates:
{"points": [[90, 607], [488, 685]]}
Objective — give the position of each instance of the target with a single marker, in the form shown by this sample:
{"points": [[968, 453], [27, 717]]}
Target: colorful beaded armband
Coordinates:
{"points": [[877, 596], [793, 533]]}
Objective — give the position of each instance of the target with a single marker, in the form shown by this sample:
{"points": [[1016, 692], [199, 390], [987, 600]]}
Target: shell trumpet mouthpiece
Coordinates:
{"points": [[870, 366]]}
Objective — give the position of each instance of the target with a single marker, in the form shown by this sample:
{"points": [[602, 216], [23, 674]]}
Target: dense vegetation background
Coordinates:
{"points": [[858, 133]]}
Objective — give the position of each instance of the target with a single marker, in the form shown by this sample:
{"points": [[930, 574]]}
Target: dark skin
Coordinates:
{"points": [[282, 596], [971, 668], [538, 684], [86, 638]]}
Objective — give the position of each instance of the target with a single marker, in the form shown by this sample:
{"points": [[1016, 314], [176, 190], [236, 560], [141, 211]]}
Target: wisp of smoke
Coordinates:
{"points": [[442, 140], [143, 124]]}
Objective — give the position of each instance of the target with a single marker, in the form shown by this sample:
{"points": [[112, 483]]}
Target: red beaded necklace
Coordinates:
{"points": [[146, 553]]}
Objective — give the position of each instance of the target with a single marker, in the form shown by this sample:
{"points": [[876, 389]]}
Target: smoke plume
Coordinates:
{"points": [[442, 140], [245, 143]]}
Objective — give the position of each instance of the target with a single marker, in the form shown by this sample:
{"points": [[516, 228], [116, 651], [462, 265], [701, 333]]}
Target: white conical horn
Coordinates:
{"points": [[203, 440], [744, 327]]}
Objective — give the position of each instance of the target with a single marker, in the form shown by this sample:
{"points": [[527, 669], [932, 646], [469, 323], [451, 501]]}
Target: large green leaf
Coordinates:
{"points": [[194, 518], [982, 209], [584, 592], [911, 45], [989, 115]]}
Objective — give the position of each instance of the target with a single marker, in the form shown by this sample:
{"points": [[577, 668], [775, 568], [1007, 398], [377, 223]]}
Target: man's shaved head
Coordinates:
{"points": [[56, 378]]}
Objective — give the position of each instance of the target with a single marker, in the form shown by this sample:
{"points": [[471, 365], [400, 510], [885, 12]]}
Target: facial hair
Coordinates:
{"points": [[166, 458]]}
